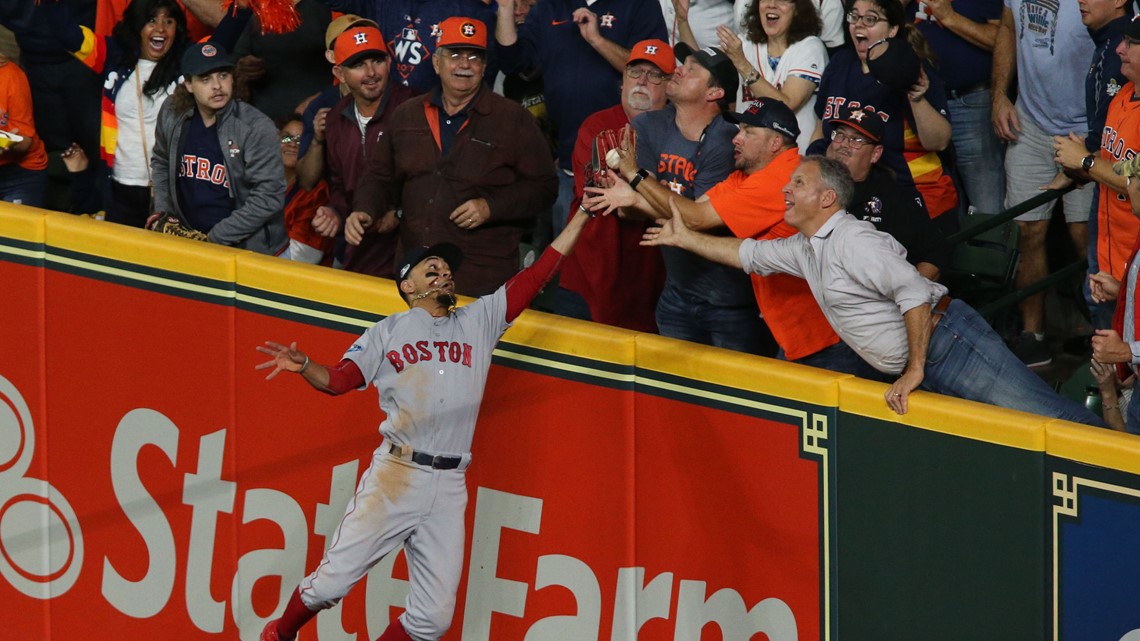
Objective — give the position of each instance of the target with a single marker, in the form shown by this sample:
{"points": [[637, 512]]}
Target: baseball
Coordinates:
{"points": [[613, 158]]}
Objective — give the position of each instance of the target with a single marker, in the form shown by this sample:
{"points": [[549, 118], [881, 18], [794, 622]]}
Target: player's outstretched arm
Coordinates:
{"points": [[290, 359], [566, 240], [673, 232]]}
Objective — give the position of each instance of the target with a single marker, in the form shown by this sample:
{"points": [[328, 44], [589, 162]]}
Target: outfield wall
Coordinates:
{"points": [[624, 486]]}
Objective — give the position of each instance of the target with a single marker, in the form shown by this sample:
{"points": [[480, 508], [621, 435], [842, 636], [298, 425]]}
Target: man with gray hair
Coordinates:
{"points": [[901, 323]]}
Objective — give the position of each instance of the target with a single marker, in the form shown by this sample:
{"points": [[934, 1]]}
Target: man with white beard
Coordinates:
{"points": [[613, 279]]}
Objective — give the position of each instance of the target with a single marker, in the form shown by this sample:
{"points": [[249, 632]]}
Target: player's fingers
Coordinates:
{"points": [[265, 365], [272, 374]]}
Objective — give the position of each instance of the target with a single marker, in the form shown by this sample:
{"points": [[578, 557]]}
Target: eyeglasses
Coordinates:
{"points": [[652, 75], [868, 19], [290, 140], [469, 56], [838, 137]]}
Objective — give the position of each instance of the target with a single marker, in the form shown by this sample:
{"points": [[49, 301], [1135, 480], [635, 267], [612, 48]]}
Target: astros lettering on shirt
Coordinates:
{"points": [[1117, 228], [203, 182]]}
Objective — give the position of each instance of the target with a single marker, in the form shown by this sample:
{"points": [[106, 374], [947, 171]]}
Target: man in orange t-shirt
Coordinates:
{"points": [[750, 204], [23, 162]]}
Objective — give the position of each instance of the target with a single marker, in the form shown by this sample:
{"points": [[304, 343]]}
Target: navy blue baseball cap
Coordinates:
{"points": [[201, 58], [413, 257], [769, 113]]}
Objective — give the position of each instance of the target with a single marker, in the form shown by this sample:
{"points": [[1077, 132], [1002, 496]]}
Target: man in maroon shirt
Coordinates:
{"points": [[352, 128]]}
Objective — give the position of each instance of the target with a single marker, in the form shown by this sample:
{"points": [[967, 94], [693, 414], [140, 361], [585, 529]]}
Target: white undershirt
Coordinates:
{"points": [[131, 161]]}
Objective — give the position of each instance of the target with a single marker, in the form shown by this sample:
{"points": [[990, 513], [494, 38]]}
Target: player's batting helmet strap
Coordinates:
{"points": [[413, 257]]}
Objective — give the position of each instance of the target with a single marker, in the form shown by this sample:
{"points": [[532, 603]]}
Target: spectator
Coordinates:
{"points": [[1111, 225], [784, 58], [466, 165], [65, 94], [284, 69], [899, 322], [962, 35], [1120, 345], [217, 164], [582, 53], [411, 27], [616, 279], [350, 134], [311, 166], [1113, 402], [689, 146], [140, 67], [696, 22], [856, 141], [525, 87], [23, 162], [1048, 48], [750, 205], [831, 17], [84, 191], [904, 90], [306, 245]]}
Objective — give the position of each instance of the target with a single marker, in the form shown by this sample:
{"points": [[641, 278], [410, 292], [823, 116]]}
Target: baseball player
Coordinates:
{"points": [[429, 365]]}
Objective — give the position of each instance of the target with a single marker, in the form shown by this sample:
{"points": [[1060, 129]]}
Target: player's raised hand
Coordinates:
{"points": [[287, 359]]}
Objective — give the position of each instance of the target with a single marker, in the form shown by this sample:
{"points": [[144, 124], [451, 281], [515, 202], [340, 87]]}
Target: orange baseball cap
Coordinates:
{"points": [[342, 24], [358, 42], [462, 33], [656, 51]]}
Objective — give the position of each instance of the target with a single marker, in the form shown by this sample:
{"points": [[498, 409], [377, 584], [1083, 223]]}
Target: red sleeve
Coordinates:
{"points": [[345, 376], [525, 285]]}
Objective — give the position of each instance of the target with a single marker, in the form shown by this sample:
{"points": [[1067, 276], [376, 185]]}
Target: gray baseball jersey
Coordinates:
{"points": [[430, 372]]}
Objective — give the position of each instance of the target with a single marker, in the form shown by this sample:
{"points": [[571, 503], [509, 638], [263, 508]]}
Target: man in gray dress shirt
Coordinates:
{"points": [[901, 323]]}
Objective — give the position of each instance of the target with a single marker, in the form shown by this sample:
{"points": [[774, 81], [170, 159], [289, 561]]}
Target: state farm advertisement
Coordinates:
{"points": [[154, 485]]}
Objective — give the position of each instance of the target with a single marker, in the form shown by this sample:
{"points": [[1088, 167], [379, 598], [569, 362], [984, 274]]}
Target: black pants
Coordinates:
{"points": [[130, 205]]}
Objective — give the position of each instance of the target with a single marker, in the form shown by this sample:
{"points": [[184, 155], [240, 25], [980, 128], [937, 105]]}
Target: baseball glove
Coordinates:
{"points": [[168, 223]]}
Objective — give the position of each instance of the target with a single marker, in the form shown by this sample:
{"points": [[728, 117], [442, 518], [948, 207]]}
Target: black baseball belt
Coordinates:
{"points": [[436, 462]]}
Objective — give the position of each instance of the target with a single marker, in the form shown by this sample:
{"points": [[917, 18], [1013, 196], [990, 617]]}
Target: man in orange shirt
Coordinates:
{"points": [[750, 204], [23, 161]]}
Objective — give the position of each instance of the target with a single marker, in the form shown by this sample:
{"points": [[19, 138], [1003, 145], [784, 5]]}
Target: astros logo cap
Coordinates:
{"points": [[462, 33], [655, 51], [357, 43]]}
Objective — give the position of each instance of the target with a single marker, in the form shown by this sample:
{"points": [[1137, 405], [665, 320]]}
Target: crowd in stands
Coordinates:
{"points": [[344, 132]]}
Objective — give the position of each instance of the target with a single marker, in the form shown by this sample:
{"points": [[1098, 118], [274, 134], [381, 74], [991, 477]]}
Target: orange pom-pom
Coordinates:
{"points": [[276, 16]]}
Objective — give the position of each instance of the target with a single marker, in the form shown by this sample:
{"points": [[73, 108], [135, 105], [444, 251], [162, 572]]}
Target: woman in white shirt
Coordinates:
{"points": [[781, 57]]}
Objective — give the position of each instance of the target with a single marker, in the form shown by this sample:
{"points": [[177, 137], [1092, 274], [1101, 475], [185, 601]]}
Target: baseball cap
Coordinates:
{"points": [[867, 123], [897, 66], [718, 64], [203, 57], [458, 32], [1132, 31], [657, 52], [357, 43], [413, 257], [769, 113], [342, 24]]}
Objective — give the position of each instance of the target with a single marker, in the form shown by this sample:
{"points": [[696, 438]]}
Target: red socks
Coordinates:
{"points": [[395, 632], [296, 615]]}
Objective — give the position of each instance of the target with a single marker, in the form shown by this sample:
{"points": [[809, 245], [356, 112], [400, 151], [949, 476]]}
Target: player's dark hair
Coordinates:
{"points": [[128, 34], [805, 22]]}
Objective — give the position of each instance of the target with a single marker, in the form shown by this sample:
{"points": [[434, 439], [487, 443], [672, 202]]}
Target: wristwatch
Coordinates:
{"points": [[1087, 163], [636, 180]]}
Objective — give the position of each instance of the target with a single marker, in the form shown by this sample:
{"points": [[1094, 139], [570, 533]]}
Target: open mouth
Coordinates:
{"points": [[771, 19], [157, 44]]}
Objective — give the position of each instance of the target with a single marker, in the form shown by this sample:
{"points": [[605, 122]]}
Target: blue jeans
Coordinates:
{"points": [[981, 155], [967, 359], [690, 319], [23, 186], [840, 358]]}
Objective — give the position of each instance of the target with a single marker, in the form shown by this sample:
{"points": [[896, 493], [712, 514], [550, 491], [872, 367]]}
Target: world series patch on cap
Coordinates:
{"points": [[458, 32]]}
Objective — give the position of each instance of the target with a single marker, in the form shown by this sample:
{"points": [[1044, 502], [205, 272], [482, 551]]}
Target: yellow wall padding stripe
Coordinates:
{"points": [[140, 247], [15, 223], [573, 338], [318, 284], [734, 369], [938, 413], [1093, 445]]}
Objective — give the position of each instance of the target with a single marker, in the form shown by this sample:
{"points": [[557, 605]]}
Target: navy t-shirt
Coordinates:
{"points": [[689, 168], [961, 63], [203, 183]]}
